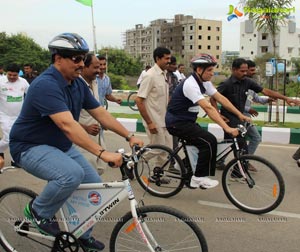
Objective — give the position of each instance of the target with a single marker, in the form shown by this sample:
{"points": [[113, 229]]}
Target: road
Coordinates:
{"points": [[226, 228]]}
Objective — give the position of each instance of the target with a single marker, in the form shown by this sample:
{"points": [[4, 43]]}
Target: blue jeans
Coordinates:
{"points": [[254, 139], [64, 171]]}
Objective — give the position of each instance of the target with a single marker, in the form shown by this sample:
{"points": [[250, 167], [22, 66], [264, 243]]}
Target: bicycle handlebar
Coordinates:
{"points": [[128, 162], [243, 128]]}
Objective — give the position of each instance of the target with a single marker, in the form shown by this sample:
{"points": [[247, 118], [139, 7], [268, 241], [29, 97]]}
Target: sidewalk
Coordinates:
{"points": [[269, 134]]}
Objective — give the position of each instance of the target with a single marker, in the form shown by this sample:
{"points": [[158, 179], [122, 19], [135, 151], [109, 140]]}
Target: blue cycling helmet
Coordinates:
{"points": [[68, 44]]}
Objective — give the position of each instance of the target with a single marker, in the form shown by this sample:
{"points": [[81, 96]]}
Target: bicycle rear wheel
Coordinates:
{"points": [[131, 101], [12, 204], [265, 191], [160, 172], [171, 230]]}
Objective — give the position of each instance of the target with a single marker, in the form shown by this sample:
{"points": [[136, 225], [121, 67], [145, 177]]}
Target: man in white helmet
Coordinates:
{"points": [[182, 113]]}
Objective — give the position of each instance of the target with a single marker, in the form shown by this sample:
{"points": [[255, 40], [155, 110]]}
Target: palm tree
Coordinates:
{"points": [[272, 14]]}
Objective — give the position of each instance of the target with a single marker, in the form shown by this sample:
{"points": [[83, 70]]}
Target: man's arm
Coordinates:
{"points": [[274, 94], [112, 98], [140, 102], [75, 132], [217, 97], [216, 117]]}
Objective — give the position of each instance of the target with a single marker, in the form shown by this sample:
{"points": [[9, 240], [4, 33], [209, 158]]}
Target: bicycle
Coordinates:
{"points": [[131, 100], [144, 228], [163, 173], [105, 105]]}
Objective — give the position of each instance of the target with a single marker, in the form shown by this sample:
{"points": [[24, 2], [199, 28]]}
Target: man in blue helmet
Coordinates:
{"points": [[49, 117]]}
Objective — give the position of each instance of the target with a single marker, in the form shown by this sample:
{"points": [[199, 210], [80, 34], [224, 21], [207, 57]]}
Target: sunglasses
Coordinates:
{"points": [[78, 58]]}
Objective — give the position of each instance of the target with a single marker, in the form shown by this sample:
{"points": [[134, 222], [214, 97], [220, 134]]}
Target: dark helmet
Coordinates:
{"points": [[68, 44], [203, 60]]}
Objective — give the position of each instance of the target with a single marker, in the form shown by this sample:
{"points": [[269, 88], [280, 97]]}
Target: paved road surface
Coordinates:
{"points": [[226, 228]]}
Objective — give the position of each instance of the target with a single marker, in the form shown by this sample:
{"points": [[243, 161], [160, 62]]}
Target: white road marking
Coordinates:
{"points": [[227, 206]]}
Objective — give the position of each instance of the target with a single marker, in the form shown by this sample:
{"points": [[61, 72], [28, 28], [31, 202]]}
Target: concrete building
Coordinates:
{"points": [[256, 43], [184, 35]]}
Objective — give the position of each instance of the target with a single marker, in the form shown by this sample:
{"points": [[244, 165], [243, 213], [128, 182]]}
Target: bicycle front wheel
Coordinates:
{"points": [[131, 101], [160, 172], [167, 229], [13, 223], [260, 192]]}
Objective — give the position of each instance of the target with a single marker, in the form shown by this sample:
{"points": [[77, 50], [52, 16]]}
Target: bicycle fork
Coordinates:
{"points": [[243, 167]]}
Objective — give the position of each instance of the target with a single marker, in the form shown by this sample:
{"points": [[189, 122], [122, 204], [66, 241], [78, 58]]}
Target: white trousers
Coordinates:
{"points": [[6, 122]]}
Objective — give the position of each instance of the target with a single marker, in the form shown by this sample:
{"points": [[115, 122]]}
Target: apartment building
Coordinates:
{"points": [[256, 43], [184, 35]]}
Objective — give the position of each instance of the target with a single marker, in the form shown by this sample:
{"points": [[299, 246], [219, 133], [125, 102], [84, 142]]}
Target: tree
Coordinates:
{"points": [[271, 15], [121, 63], [21, 50]]}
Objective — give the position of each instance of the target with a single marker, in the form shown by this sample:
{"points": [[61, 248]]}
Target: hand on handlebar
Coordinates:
{"points": [[244, 118], [136, 141], [114, 159], [234, 132]]}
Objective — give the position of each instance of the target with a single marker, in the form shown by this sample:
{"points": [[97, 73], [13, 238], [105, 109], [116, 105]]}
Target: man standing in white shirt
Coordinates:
{"points": [[180, 72], [2, 74], [12, 91], [92, 127]]}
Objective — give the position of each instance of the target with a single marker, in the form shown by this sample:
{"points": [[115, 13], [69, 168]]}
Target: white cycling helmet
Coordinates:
{"points": [[204, 60], [68, 44]]}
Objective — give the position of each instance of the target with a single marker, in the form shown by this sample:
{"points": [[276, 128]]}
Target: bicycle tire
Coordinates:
{"points": [[12, 203], [105, 105], [266, 194], [131, 101], [172, 230], [168, 182]]}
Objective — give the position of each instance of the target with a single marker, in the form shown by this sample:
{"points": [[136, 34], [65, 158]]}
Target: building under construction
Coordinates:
{"points": [[185, 36]]}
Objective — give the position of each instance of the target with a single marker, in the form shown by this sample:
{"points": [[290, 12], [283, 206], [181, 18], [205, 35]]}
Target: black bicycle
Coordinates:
{"points": [[163, 172], [131, 100]]}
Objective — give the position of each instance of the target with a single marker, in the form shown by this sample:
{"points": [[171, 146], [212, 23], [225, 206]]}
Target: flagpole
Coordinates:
{"points": [[94, 30]]}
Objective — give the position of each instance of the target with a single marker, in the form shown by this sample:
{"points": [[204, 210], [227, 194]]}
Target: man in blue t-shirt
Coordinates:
{"points": [[41, 140]]}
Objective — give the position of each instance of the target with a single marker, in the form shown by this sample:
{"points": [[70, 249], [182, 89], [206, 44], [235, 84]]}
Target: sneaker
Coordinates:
{"points": [[296, 155], [154, 179], [45, 226], [174, 168], [236, 179], [251, 168], [12, 163], [203, 182], [91, 244]]}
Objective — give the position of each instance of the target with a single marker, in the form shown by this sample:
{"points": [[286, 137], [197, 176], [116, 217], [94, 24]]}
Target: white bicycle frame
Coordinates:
{"points": [[89, 204]]}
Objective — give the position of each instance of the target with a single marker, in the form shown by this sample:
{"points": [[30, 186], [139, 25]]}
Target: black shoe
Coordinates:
{"points": [[12, 163], [91, 244], [220, 166], [45, 226], [296, 155], [156, 180]]}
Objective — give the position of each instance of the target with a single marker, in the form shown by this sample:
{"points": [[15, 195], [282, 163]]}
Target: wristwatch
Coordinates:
{"points": [[129, 136]]}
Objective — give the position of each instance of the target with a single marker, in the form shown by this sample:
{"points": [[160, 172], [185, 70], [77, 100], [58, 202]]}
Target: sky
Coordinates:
{"points": [[44, 19]]}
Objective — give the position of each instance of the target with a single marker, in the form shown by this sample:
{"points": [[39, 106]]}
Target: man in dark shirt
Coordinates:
{"points": [[28, 73], [235, 89]]}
